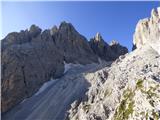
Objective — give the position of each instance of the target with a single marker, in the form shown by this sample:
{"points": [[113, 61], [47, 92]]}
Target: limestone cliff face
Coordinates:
{"points": [[147, 31], [31, 57], [72, 45], [105, 51], [125, 89], [129, 89]]}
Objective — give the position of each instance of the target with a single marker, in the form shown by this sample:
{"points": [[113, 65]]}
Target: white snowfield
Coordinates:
{"points": [[68, 66]]}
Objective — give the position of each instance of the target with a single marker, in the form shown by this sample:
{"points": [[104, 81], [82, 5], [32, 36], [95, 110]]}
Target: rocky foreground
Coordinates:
{"points": [[130, 88], [127, 88]]}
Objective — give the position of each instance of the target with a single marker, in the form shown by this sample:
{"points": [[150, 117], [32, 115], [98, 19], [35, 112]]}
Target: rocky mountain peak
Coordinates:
{"points": [[34, 30], [155, 13], [114, 42], [129, 89], [65, 26], [147, 31], [119, 87], [106, 51], [98, 37], [53, 30]]}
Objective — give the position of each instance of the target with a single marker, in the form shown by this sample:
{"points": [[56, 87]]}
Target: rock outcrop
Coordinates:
{"points": [[105, 51], [31, 57], [125, 89], [147, 31], [26, 64], [118, 49], [130, 88], [73, 46]]}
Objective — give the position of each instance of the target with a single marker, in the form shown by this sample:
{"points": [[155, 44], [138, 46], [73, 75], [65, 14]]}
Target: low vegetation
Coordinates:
{"points": [[126, 106]]}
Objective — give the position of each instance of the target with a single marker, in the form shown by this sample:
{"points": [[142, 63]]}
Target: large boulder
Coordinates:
{"points": [[148, 31]]}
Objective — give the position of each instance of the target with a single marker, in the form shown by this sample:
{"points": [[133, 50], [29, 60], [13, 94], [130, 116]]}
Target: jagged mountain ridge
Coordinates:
{"points": [[130, 88], [31, 57], [106, 51], [126, 89]]}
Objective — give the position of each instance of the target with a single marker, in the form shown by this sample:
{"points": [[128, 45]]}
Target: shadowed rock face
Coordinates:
{"points": [[31, 57], [148, 31], [27, 65], [105, 51], [118, 49], [73, 46]]}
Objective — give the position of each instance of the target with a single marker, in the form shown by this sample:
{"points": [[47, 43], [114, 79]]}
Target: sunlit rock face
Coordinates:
{"points": [[129, 89], [148, 31]]}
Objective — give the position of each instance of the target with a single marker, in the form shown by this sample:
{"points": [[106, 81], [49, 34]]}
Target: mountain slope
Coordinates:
{"points": [[54, 101], [125, 89], [31, 57], [130, 89]]}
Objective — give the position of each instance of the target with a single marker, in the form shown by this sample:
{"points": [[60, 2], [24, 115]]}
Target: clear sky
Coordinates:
{"points": [[114, 20]]}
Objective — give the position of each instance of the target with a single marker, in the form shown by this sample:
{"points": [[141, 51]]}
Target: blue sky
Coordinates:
{"points": [[114, 20]]}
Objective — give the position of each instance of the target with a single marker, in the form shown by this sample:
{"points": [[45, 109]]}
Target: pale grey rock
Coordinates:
{"points": [[127, 88], [131, 88], [148, 31], [124, 84]]}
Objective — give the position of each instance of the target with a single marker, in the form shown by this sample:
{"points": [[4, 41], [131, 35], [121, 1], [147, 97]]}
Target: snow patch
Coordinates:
{"points": [[99, 60], [68, 66], [45, 85], [23, 101]]}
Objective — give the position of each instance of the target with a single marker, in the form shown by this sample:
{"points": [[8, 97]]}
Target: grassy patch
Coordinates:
{"points": [[150, 93], [126, 106], [155, 115], [147, 116], [139, 83]]}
